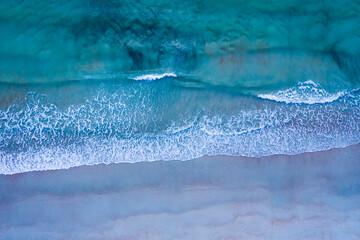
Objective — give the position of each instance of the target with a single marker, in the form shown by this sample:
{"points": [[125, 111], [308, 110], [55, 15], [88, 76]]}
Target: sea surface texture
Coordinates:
{"points": [[85, 82]]}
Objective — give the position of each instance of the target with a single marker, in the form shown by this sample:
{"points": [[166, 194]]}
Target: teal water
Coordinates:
{"points": [[88, 82]]}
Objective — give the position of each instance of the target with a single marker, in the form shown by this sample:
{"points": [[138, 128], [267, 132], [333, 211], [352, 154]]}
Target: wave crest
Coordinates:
{"points": [[153, 77], [307, 92]]}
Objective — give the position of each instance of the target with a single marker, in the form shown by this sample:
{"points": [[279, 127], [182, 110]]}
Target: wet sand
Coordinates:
{"points": [[306, 196]]}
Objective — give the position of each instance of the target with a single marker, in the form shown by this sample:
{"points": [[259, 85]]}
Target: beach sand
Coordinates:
{"points": [[306, 196]]}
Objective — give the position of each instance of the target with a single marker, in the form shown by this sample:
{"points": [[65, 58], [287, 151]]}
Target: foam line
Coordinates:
{"points": [[307, 92], [152, 77]]}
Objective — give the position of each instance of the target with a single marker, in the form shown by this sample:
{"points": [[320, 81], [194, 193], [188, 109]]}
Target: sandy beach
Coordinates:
{"points": [[306, 196]]}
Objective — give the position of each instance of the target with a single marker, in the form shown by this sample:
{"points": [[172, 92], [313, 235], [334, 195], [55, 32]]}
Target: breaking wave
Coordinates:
{"points": [[110, 128], [152, 77], [307, 92]]}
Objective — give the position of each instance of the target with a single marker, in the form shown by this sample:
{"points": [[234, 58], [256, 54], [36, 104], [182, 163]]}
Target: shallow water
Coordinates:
{"points": [[75, 124]]}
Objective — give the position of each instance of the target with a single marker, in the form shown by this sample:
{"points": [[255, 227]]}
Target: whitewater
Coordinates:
{"points": [[136, 121]]}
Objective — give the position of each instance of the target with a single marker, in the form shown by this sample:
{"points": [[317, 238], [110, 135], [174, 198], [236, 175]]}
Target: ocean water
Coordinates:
{"points": [[87, 82]]}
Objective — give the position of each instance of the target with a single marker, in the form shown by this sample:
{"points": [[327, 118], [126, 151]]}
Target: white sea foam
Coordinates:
{"points": [[185, 145], [152, 77], [108, 129], [307, 92]]}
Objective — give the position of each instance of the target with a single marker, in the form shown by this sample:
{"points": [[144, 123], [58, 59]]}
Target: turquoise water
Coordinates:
{"points": [[88, 82]]}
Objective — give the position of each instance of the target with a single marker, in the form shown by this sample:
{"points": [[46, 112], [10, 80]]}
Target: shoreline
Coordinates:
{"points": [[305, 196], [206, 157]]}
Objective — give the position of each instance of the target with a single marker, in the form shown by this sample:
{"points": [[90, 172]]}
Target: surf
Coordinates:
{"points": [[307, 92], [131, 122]]}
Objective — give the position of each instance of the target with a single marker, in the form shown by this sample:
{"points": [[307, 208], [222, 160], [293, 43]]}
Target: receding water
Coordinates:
{"points": [[59, 126]]}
